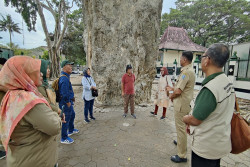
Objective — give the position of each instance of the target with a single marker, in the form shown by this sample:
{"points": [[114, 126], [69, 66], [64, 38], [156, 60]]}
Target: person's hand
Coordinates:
{"points": [[93, 87], [188, 129], [171, 97], [59, 111], [168, 88], [63, 118], [73, 99], [68, 104]]}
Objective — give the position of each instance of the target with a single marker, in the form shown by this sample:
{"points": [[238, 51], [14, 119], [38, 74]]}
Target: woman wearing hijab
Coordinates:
{"points": [[88, 84], [45, 89], [26, 117], [162, 99]]}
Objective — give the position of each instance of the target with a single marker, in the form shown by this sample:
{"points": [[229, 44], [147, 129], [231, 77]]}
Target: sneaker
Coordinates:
{"points": [[124, 115], [133, 115], [93, 118], [153, 113], [162, 118], [75, 131], [2, 154], [67, 141], [87, 121]]}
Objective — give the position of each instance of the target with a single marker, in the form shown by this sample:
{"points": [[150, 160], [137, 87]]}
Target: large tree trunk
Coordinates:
{"points": [[121, 33]]}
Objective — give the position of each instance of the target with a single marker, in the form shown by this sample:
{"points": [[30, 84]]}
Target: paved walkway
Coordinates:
{"points": [[112, 141]]}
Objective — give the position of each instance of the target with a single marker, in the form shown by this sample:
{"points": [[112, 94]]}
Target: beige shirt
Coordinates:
{"points": [[185, 82], [212, 138], [34, 139]]}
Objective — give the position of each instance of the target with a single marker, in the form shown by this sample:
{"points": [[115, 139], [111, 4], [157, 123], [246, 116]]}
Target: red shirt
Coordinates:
{"points": [[128, 82]]}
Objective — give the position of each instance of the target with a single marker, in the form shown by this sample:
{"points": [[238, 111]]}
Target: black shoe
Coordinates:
{"points": [[177, 159], [133, 115], [93, 118], [175, 142], [153, 113], [87, 121], [162, 117], [2, 154], [124, 115]]}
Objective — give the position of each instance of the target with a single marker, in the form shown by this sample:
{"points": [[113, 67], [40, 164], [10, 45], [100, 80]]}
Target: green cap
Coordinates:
{"points": [[66, 62]]}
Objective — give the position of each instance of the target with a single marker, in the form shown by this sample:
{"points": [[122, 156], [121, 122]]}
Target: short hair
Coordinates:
{"points": [[218, 53], [188, 55]]}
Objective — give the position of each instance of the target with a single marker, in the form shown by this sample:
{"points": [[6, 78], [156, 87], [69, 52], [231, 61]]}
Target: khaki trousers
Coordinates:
{"points": [[181, 132], [129, 99]]}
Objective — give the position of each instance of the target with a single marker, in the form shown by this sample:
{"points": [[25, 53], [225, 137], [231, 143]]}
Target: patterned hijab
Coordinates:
{"points": [[21, 93], [165, 71]]}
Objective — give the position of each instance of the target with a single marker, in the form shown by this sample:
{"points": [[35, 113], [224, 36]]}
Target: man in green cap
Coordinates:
{"points": [[66, 102]]}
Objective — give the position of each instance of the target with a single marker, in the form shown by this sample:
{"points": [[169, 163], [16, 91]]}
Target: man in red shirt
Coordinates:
{"points": [[128, 91]]}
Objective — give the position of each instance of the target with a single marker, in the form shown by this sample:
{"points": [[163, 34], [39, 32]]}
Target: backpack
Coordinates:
{"points": [[55, 86]]}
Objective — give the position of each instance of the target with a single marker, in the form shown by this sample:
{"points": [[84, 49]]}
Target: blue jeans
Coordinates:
{"points": [[69, 118], [88, 108]]}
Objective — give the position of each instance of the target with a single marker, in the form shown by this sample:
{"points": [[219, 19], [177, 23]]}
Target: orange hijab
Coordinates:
{"points": [[21, 93]]}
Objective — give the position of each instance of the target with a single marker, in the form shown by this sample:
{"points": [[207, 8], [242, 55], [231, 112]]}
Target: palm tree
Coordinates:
{"points": [[7, 24]]}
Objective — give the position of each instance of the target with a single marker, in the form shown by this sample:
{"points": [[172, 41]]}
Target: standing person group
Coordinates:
{"points": [[210, 122], [66, 103], [128, 91], [181, 97], [28, 126], [162, 95], [88, 85]]}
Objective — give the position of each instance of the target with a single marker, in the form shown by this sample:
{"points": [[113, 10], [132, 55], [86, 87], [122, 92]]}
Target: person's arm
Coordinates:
{"points": [[42, 90], [86, 84], [44, 119], [184, 78], [93, 83], [191, 120], [64, 90], [205, 104], [122, 85]]}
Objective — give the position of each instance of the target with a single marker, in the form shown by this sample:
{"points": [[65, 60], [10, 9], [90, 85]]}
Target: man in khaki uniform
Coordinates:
{"points": [[182, 96]]}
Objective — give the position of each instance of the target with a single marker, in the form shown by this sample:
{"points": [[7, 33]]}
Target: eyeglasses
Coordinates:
{"points": [[202, 57]]}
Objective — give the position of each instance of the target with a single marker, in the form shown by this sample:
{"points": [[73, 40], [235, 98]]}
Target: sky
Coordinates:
{"points": [[34, 39]]}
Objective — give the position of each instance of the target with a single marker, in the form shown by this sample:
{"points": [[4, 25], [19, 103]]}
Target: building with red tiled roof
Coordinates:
{"points": [[173, 42]]}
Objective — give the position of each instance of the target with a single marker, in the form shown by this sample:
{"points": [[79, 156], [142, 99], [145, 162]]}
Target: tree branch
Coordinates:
{"points": [[64, 28], [44, 25], [49, 8]]}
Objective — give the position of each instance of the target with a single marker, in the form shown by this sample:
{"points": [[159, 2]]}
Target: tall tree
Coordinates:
{"points": [[209, 21], [7, 24], [59, 10], [72, 44]]}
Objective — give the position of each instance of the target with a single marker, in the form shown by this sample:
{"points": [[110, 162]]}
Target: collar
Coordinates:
{"points": [[64, 73], [129, 75], [210, 77], [186, 67]]}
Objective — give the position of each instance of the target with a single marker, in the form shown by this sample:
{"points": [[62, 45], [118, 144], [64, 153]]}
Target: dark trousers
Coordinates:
{"points": [[88, 108], [198, 161], [69, 118]]}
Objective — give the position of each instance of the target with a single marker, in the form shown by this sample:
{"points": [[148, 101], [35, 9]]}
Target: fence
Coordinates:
{"points": [[243, 70]]}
